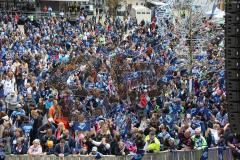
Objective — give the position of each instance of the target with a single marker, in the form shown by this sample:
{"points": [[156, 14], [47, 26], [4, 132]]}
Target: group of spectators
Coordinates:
{"points": [[37, 118]]}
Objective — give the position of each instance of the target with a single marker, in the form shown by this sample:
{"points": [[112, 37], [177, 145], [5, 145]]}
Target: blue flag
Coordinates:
{"points": [[86, 126], [214, 7], [220, 153], [139, 155], [204, 154]]}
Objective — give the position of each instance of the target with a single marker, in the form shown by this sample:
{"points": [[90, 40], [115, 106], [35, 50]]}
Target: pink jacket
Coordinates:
{"points": [[35, 150]]}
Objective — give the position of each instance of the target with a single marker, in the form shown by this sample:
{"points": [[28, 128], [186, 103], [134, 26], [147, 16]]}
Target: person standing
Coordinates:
{"points": [[8, 85], [11, 102]]}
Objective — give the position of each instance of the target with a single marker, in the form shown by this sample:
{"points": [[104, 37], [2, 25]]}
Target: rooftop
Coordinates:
{"points": [[140, 7]]}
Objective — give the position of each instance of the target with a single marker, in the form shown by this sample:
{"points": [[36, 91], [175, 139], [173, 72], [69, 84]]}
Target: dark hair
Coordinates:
{"points": [[6, 133], [117, 137], [140, 143], [165, 127], [210, 125], [165, 110], [62, 140]]}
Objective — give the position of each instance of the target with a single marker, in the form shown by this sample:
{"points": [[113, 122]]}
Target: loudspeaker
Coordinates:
{"points": [[233, 107], [233, 96], [234, 119], [232, 41], [232, 19], [232, 74], [233, 30], [232, 62], [232, 7], [232, 53], [233, 85]]}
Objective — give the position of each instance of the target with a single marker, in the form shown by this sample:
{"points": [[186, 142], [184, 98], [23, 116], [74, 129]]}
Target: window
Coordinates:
{"points": [[150, 5], [148, 13], [121, 13], [138, 12], [143, 12]]}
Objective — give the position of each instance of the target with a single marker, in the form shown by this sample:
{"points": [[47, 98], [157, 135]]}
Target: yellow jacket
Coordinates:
{"points": [[153, 146]]}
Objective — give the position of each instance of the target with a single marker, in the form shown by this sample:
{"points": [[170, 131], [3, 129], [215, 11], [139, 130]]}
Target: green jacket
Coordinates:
{"points": [[199, 142]]}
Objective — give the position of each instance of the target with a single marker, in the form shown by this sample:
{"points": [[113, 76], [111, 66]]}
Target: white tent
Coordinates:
{"points": [[205, 4], [218, 15], [157, 3]]}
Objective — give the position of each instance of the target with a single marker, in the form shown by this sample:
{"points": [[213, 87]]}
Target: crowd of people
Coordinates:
{"points": [[57, 84]]}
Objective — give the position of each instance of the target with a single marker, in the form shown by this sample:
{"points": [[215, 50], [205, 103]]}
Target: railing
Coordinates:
{"points": [[165, 155]]}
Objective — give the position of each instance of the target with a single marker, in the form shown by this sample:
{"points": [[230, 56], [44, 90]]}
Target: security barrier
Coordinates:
{"points": [[166, 155]]}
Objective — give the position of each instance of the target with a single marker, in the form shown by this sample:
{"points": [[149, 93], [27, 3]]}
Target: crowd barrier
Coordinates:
{"points": [[165, 155]]}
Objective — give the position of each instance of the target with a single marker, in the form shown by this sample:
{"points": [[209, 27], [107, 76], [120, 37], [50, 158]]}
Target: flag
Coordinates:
{"points": [[139, 155], [214, 8], [85, 126], [204, 154], [220, 153]]}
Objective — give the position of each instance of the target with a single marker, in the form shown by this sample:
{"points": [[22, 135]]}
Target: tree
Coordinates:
{"points": [[189, 20], [113, 6]]}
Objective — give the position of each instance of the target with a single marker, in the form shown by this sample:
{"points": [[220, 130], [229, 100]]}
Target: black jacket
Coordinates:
{"points": [[71, 142], [44, 140], [50, 151], [66, 152], [22, 151], [36, 124], [114, 148]]}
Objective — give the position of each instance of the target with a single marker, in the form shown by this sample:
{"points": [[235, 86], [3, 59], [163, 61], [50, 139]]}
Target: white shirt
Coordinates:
{"points": [[61, 14], [8, 86]]}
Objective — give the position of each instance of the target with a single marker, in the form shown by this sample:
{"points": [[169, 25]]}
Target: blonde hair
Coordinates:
{"points": [[36, 141], [61, 126], [55, 102], [25, 65]]}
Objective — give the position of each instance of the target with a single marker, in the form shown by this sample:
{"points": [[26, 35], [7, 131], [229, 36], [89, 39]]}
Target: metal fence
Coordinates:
{"points": [[166, 155]]}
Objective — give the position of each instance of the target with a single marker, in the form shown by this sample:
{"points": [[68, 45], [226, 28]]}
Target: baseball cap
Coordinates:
{"points": [[94, 149]]}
